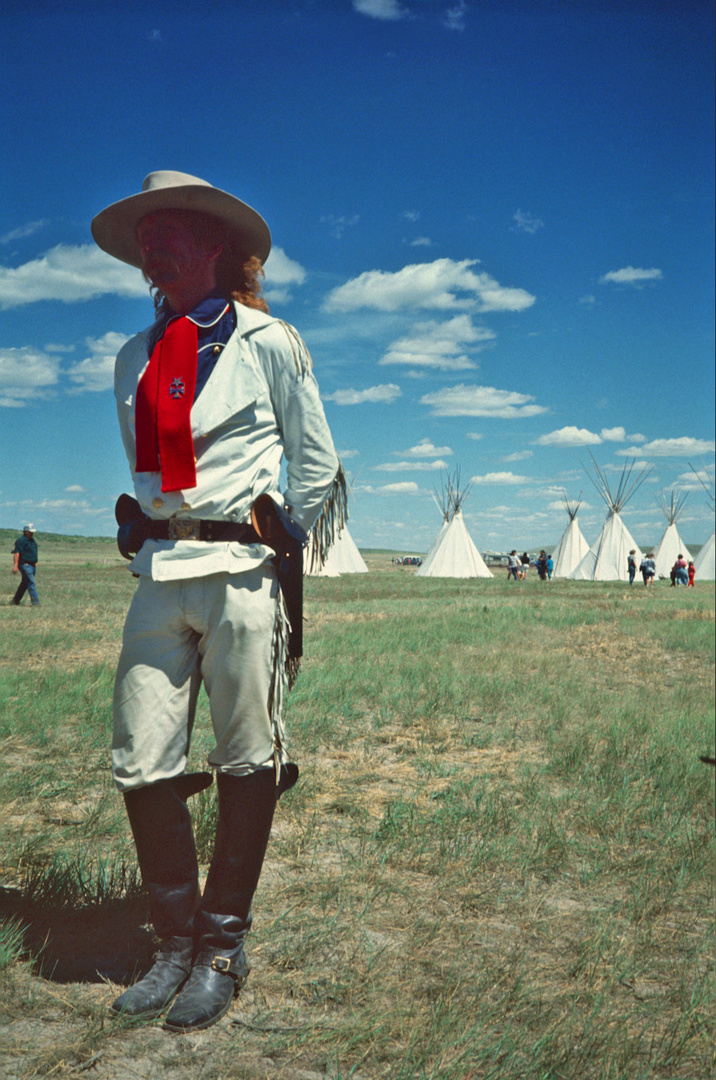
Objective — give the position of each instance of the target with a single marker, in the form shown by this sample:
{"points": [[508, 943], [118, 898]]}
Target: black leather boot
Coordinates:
{"points": [[162, 829], [246, 807]]}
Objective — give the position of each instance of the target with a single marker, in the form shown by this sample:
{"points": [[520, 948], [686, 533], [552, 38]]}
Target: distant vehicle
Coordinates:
{"points": [[495, 558], [408, 560]]}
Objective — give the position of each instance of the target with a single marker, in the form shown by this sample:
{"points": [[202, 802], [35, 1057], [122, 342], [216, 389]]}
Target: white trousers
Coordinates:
{"points": [[226, 630]]}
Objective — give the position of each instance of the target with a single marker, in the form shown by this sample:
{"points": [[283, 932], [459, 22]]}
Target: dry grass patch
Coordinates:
{"points": [[497, 862]]}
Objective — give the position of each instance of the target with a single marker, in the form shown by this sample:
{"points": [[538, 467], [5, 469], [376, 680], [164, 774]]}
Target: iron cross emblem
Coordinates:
{"points": [[176, 389]]}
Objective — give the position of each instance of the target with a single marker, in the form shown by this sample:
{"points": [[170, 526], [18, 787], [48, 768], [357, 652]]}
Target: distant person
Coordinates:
{"points": [[679, 572], [631, 565], [542, 565], [525, 561], [648, 568], [550, 566], [25, 564], [513, 566], [691, 573]]}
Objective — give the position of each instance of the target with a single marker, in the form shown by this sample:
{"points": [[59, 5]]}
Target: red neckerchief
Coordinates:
{"points": [[165, 395]]}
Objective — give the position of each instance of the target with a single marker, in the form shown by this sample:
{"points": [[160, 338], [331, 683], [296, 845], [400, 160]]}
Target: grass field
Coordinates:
{"points": [[498, 862]]}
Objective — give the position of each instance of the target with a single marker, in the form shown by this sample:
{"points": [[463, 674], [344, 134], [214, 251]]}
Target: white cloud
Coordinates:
{"points": [[53, 348], [96, 371], [682, 447], [280, 270], [344, 455], [425, 448], [560, 506], [464, 400], [698, 480], [65, 506], [443, 285], [455, 16], [526, 223], [411, 215], [385, 393], [500, 478], [339, 224], [519, 455], [412, 466], [474, 435], [569, 436], [614, 434], [22, 231], [439, 345], [26, 374], [407, 487], [386, 10], [588, 299], [75, 489], [631, 275], [70, 274], [421, 241]]}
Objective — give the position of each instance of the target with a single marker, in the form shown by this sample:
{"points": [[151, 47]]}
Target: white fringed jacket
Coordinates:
{"points": [[261, 402]]}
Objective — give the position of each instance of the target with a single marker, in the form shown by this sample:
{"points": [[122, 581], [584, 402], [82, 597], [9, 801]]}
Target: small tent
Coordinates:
{"points": [[444, 502], [607, 558], [452, 553], [313, 566], [572, 547], [671, 545], [344, 557], [704, 561]]}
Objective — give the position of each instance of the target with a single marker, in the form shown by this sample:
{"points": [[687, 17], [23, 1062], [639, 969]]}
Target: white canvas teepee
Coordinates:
{"points": [[312, 565], [704, 562], [344, 557], [607, 558], [444, 502], [453, 554], [671, 545], [572, 547]]}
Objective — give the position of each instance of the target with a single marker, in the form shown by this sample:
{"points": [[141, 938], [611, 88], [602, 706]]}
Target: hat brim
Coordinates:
{"points": [[115, 228]]}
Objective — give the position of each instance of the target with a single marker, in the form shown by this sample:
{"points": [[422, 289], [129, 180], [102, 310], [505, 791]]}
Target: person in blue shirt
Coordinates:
{"points": [[25, 564]]}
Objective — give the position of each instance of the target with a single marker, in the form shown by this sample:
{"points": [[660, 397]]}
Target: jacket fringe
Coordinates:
{"points": [[329, 523], [301, 355], [281, 682]]}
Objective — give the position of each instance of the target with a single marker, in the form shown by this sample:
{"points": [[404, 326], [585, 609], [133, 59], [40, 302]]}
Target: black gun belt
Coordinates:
{"points": [[207, 531]]}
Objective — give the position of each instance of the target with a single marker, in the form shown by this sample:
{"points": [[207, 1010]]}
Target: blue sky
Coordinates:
{"points": [[492, 224]]}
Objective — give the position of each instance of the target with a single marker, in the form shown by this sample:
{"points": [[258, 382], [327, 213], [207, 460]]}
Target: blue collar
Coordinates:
{"points": [[207, 311]]}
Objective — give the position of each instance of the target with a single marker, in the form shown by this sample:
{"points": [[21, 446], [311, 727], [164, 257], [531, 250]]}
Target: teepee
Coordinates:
{"points": [[313, 566], [452, 553], [671, 545], [572, 547], [704, 562], [443, 501], [607, 558], [344, 557]]}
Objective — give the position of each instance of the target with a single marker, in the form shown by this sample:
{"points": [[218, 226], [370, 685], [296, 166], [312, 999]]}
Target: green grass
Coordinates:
{"points": [[498, 861]]}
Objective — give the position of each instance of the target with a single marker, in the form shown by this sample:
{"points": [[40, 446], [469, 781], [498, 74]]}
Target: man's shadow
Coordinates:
{"points": [[82, 943]]}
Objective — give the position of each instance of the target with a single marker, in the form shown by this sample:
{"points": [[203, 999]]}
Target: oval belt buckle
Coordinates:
{"points": [[184, 529]]}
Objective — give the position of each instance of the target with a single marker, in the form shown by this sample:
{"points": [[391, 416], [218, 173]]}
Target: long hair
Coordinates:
{"points": [[238, 275]]}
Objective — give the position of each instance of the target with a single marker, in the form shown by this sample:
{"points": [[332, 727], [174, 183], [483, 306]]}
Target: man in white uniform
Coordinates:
{"points": [[210, 399]]}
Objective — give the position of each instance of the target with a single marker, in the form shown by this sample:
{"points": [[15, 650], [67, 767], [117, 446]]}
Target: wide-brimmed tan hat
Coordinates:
{"points": [[115, 229]]}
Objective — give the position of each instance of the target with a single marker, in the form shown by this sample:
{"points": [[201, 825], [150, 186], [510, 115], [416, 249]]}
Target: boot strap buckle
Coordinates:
{"points": [[221, 963]]}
